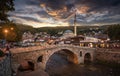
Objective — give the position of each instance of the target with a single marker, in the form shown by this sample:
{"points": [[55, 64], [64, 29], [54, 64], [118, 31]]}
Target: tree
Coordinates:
{"points": [[114, 32], [5, 7], [13, 33], [2, 54]]}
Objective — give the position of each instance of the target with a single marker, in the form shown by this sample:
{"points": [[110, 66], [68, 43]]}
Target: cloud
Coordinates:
{"points": [[57, 7], [59, 12]]}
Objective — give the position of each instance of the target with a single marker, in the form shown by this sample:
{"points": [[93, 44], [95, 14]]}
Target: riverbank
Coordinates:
{"points": [[38, 72]]}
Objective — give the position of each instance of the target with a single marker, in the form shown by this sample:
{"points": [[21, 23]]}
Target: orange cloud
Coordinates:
{"points": [[82, 9]]}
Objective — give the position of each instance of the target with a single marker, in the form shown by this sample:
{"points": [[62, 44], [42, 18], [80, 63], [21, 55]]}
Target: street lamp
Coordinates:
{"points": [[12, 28], [7, 49], [5, 31]]}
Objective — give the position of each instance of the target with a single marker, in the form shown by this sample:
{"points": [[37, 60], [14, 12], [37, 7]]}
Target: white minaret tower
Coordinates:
{"points": [[75, 27]]}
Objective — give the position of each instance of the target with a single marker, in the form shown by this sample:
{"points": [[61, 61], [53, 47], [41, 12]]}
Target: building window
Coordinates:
{"points": [[80, 53]]}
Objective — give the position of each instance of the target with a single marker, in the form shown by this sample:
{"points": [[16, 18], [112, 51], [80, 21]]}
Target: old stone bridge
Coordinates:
{"points": [[39, 56]]}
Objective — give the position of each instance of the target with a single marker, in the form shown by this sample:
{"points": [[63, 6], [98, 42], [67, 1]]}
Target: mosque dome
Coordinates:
{"points": [[67, 34], [68, 31]]}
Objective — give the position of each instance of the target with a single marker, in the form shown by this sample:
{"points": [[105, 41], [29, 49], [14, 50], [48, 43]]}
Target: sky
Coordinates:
{"points": [[44, 13]]}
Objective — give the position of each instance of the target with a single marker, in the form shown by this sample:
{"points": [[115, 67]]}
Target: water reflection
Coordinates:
{"points": [[59, 66]]}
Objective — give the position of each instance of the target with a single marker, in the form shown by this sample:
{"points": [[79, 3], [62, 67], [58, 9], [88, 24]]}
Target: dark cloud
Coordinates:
{"points": [[29, 19], [88, 11], [58, 8], [28, 8], [93, 5], [100, 5], [33, 2]]}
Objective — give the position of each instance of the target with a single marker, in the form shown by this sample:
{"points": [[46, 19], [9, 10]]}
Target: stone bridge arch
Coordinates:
{"points": [[28, 64], [87, 58], [72, 55], [19, 58], [86, 54]]}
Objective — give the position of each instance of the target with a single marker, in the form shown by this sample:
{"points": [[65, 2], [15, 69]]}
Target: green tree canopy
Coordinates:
{"points": [[5, 7], [12, 34], [114, 32]]}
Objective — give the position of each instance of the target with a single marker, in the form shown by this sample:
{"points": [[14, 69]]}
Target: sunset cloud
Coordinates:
{"points": [[42, 13]]}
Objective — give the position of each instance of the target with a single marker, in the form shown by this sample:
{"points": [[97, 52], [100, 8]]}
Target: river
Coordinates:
{"points": [[59, 66]]}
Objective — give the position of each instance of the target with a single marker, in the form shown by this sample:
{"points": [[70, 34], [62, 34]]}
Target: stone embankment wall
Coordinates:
{"points": [[108, 55], [5, 69]]}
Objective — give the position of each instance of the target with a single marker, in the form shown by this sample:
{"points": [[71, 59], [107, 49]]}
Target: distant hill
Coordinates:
{"points": [[55, 30], [19, 29], [26, 28]]}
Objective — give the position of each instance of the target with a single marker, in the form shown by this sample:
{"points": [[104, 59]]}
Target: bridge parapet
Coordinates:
{"points": [[34, 48]]}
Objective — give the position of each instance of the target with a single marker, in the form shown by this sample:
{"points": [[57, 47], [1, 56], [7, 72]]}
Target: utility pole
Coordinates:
{"points": [[75, 27]]}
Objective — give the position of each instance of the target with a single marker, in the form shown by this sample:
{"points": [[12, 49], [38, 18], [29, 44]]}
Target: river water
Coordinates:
{"points": [[59, 66]]}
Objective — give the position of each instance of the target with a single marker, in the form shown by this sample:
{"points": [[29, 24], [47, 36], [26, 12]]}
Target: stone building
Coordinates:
{"points": [[27, 37]]}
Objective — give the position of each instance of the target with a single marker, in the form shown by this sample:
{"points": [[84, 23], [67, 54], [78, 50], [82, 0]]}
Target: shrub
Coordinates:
{"points": [[2, 53]]}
